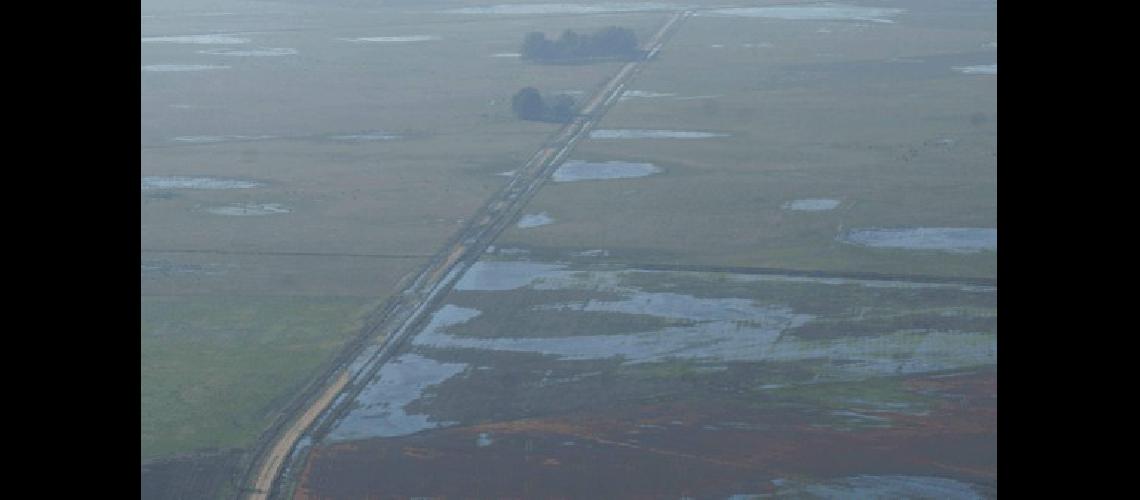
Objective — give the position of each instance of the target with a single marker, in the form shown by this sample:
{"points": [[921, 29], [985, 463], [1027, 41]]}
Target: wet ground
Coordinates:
{"points": [[556, 380]]}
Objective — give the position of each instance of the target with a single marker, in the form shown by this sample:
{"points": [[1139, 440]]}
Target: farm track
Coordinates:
{"points": [[330, 395]]}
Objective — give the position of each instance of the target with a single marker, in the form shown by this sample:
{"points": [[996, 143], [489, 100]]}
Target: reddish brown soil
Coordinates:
{"points": [[705, 449]]}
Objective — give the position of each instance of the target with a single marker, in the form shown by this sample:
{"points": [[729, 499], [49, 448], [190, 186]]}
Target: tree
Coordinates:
{"points": [[535, 46], [614, 40], [527, 104]]}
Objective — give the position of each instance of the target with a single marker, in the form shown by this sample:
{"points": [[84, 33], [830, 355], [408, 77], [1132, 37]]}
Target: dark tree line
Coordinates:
{"points": [[605, 43], [528, 104]]}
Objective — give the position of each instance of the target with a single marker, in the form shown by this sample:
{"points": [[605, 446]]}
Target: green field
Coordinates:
{"points": [[238, 312], [887, 129]]}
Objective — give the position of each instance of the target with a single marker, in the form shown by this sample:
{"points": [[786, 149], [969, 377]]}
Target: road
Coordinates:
{"points": [[321, 404]]}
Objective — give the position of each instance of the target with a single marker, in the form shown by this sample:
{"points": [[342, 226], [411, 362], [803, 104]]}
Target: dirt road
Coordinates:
{"points": [[404, 315]]}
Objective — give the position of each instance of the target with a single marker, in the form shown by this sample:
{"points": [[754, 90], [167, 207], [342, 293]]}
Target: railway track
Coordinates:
{"points": [[321, 404]]}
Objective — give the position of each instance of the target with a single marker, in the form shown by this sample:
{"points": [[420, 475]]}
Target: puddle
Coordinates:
{"points": [[947, 239], [365, 137], [577, 170], [650, 134], [484, 440], [164, 267], [507, 54], [162, 68], [393, 39], [499, 276], [534, 220], [266, 52], [825, 12], [249, 209], [155, 182], [197, 39], [565, 8], [981, 69], [812, 204], [380, 406], [211, 139], [645, 93], [592, 253]]}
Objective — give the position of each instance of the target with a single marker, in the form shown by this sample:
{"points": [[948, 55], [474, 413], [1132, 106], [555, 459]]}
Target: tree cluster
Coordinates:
{"points": [[605, 43], [528, 104]]}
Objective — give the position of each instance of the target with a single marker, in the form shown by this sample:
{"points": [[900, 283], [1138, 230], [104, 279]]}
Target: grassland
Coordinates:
{"points": [[238, 312], [839, 110]]}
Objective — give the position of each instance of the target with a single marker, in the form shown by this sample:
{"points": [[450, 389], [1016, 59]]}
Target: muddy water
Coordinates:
{"points": [[945, 239]]}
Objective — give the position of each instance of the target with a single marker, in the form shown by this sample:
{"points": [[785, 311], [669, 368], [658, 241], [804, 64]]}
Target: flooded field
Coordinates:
{"points": [[651, 134], [394, 39], [577, 170], [812, 204], [947, 239], [261, 52], [826, 12], [249, 209], [159, 182], [981, 69], [566, 8], [197, 39], [534, 220], [166, 68], [709, 384]]}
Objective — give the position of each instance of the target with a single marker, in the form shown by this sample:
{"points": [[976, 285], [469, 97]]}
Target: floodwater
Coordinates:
{"points": [[980, 69], [365, 137], [159, 182], [565, 8], [577, 170], [534, 220], [380, 410], [645, 93], [812, 204], [650, 134], [825, 12], [262, 52], [163, 68], [721, 329], [947, 239], [197, 39], [249, 209], [211, 139], [411, 38]]}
